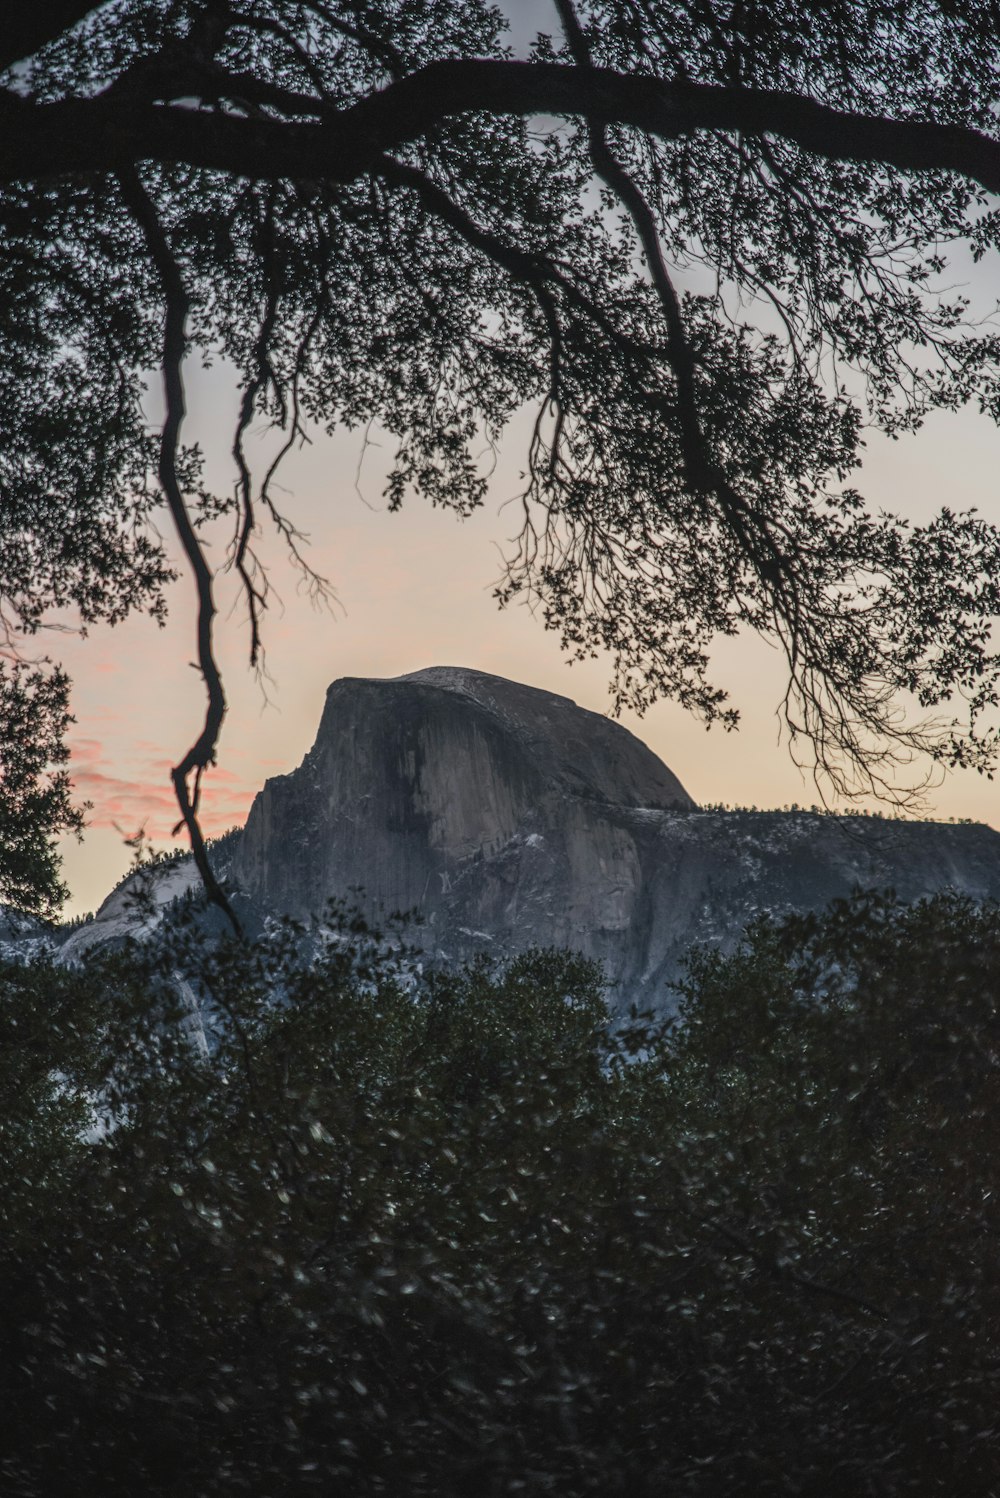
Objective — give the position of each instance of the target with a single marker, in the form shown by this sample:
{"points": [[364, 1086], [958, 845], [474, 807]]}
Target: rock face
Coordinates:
{"points": [[143, 903], [492, 810], [507, 817]]}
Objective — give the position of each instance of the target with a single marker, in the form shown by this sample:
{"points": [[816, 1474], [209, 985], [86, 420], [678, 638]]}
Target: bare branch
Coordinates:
{"points": [[187, 775]]}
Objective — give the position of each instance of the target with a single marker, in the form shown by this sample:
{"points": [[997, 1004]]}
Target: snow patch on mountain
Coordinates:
{"points": [[135, 908]]}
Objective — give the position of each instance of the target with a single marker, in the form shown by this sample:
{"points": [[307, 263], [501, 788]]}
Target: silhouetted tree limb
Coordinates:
{"points": [[187, 775], [106, 133]]}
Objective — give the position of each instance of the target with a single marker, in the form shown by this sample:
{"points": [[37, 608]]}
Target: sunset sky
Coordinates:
{"points": [[415, 590]]}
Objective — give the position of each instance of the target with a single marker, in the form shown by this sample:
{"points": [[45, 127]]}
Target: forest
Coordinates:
{"points": [[462, 1233]]}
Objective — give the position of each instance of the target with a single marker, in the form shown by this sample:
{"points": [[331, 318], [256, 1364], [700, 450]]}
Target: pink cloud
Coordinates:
{"points": [[139, 793]]}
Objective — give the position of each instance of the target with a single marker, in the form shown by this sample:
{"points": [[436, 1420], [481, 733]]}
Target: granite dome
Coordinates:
{"points": [[507, 817]]}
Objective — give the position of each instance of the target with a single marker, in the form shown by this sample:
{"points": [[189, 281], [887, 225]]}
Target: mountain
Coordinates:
{"points": [[145, 899], [135, 907], [24, 937], [507, 817]]}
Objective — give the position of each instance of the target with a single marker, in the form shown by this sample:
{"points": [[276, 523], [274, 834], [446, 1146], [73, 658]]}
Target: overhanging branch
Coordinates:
{"points": [[109, 134], [704, 475]]}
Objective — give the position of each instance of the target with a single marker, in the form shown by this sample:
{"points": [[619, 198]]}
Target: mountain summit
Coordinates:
{"points": [[497, 812]]}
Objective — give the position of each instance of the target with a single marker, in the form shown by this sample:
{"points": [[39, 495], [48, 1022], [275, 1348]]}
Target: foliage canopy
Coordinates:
{"points": [[456, 1238], [35, 791], [707, 243]]}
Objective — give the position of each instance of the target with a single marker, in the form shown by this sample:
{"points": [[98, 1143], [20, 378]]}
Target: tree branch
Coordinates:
{"points": [[108, 134], [187, 775], [704, 475]]}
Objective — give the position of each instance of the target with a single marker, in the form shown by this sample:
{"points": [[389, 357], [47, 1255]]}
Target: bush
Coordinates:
{"points": [[459, 1236]]}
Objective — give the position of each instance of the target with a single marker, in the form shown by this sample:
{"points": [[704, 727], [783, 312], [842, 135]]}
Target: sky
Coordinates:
{"points": [[415, 590]]}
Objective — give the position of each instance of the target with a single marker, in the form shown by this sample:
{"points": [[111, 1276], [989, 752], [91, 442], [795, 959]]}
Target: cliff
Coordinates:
{"points": [[507, 817]]}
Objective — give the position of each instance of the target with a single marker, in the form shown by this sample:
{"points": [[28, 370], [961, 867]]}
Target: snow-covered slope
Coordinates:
{"points": [[135, 907], [23, 938]]}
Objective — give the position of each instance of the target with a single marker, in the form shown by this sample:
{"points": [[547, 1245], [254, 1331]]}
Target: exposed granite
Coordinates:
{"points": [[507, 817], [420, 785]]}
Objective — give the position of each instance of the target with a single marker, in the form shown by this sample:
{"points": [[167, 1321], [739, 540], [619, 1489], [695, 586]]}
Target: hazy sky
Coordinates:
{"points": [[416, 591]]}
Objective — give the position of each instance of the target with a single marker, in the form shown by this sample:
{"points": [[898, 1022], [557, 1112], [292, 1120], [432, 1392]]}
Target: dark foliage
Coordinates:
{"points": [[459, 1238], [35, 792]]}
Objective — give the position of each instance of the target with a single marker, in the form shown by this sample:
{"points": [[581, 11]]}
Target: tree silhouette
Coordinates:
{"points": [[380, 216]]}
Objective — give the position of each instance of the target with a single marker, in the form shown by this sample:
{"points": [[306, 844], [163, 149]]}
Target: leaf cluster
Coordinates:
{"points": [[35, 790]]}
